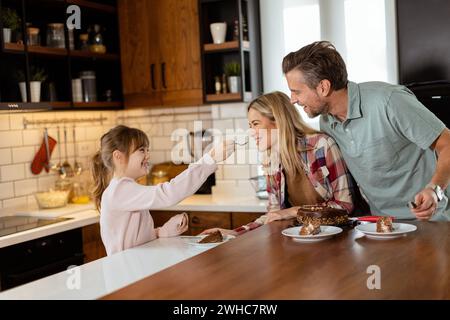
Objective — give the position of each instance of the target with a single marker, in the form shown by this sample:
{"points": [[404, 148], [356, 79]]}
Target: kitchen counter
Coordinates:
{"points": [[106, 275], [220, 203], [83, 215], [263, 264]]}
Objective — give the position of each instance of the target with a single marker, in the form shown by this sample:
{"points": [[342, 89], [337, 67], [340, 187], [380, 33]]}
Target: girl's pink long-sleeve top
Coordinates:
{"points": [[125, 219]]}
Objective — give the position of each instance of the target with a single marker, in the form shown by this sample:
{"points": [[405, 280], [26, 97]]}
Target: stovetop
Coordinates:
{"points": [[13, 224]]}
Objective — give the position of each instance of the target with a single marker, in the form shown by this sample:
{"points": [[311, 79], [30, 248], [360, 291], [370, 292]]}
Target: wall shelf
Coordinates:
{"points": [[93, 5], [226, 46]]}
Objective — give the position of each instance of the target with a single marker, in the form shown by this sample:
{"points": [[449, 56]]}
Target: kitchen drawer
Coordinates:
{"points": [[242, 218]]}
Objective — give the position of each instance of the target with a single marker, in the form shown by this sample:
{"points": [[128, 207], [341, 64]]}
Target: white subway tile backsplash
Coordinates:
{"points": [[185, 110], [10, 139], [12, 172], [6, 190], [236, 172], [224, 126], [161, 143], [25, 187], [157, 157], [23, 154], [233, 110], [15, 202], [215, 111], [95, 133], [5, 156], [46, 182], [33, 137], [4, 122], [16, 121], [241, 124], [186, 117]]}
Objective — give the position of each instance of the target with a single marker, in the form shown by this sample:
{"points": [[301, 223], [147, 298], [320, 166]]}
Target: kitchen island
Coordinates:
{"points": [[263, 264]]}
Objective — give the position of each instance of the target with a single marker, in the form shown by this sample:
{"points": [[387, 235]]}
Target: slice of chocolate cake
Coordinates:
{"points": [[311, 226], [212, 238], [384, 224], [326, 215]]}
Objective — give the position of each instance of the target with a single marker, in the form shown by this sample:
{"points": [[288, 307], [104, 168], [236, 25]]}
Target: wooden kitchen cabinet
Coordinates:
{"points": [[242, 218], [201, 220], [93, 248], [160, 51]]}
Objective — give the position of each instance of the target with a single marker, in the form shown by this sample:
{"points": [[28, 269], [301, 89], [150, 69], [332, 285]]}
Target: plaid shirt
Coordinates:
{"points": [[325, 167]]}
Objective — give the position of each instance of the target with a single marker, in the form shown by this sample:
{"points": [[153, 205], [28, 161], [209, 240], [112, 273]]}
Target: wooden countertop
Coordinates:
{"points": [[263, 264]]}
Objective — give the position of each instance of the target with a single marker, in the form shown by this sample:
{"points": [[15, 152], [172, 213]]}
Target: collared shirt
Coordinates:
{"points": [[386, 141], [326, 170]]}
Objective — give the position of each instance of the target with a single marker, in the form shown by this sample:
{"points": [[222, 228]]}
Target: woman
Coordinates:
{"points": [[302, 165]]}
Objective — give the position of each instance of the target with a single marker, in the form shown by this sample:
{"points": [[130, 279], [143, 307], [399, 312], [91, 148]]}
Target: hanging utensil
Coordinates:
{"points": [[48, 165], [77, 166], [66, 164], [60, 168]]}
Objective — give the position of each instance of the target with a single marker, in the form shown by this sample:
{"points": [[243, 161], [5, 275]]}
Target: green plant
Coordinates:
{"points": [[10, 19], [36, 74], [232, 69]]}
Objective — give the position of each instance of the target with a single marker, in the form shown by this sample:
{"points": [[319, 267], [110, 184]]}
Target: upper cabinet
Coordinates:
{"points": [[160, 51], [45, 65], [231, 50]]}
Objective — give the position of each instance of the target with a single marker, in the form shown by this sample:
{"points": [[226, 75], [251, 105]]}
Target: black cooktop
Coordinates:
{"points": [[14, 224]]}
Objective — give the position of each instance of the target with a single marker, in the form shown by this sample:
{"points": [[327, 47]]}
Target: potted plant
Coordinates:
{"points": [[233, 73], [37, 76], [10, 23]]}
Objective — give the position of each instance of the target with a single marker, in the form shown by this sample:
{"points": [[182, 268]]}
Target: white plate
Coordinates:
{"points": [[195, 239], [326, 232], [400, 229]]}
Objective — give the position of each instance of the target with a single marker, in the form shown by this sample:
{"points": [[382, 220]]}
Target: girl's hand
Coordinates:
{"points": [[224, 232], [222, 150], [175, 226]]}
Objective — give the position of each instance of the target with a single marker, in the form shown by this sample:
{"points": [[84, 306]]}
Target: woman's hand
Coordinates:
{"points": [[224, 232], [176, 225], [284, 214]]}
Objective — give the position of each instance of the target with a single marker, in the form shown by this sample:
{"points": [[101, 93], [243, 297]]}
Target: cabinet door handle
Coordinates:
{"points": [[152, 75], [195, 220], [163, 75]]}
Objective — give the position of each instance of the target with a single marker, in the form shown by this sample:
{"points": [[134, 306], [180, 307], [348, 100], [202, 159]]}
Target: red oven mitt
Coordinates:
{"points": [[40, 160]]}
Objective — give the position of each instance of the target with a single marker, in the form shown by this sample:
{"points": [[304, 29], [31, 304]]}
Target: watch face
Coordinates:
{"points": [[439, 192]]}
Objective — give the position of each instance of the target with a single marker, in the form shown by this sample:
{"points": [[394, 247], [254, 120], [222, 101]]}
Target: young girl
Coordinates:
{"points": [[125, 220]]}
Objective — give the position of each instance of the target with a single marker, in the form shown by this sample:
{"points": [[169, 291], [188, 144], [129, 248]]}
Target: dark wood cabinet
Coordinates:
{"points": [[201, 220], [160, 52], [93, 247], [21, 58]]}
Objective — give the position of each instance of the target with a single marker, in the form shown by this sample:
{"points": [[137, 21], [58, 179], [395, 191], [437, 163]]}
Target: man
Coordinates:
{"points": [[395, 148]]}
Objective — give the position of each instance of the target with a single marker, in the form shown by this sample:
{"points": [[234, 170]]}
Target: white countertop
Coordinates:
{"points": [[220, 203], [83, 215], [101, 277]]}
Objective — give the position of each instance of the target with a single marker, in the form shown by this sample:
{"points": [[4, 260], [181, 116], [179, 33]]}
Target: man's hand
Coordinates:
{"points": [[426, 201]]}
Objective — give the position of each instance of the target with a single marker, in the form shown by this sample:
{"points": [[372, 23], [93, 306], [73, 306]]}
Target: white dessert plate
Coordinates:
{"points": [[326, 232], [400, 229], [195, 239]]}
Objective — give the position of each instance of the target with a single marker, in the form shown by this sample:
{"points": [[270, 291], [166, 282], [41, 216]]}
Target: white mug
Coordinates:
{"points": [[218, 31]]}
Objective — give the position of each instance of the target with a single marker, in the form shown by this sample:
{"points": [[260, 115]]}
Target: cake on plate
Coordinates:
{"points": [[326, 215], [384, 225], [212, 238], [311, 226]]}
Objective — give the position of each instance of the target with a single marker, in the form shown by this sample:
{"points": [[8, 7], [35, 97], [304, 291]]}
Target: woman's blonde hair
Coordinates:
{"points": [[277, 107], [122, 138]]}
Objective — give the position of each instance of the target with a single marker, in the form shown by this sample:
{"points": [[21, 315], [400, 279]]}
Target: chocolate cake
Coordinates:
{"points": [[326, 215], [212, 238], [384, 224], [311, 226]]}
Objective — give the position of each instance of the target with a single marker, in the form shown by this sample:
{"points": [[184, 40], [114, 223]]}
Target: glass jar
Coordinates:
{"points": [[33, 36], [84, 42], [55, 35], [88, 83], [80, 193], [96, 39]]}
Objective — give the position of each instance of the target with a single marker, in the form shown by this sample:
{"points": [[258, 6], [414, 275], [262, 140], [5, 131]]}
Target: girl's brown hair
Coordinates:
{"points": [[277, 107], [122, 138]]}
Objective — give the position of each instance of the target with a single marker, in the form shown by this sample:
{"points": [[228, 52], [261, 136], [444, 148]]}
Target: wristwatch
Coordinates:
{"points": [[437, 189]]}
